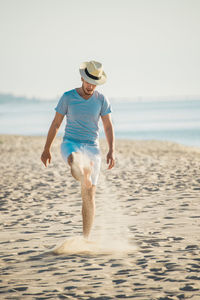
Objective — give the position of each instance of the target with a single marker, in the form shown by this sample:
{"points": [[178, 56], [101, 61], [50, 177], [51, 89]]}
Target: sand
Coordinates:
{"points": [[145, 242]]}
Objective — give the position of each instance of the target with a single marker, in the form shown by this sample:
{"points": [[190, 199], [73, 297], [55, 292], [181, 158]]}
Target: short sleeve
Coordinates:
{"points": [[106, 107], [62, 105]]}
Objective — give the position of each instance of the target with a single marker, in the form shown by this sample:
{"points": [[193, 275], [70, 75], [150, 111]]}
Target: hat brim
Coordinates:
{"points": [[100, 81]]}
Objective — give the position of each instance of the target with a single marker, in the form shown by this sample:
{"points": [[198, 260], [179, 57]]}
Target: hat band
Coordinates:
{"points": [[91, 76]]}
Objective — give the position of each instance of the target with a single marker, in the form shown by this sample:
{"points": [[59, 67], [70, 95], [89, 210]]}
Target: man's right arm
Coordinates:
{"points": [[55, 125]]}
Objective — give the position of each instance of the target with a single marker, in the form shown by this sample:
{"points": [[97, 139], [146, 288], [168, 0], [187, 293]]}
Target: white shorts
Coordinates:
{"points": [[90, 150]]}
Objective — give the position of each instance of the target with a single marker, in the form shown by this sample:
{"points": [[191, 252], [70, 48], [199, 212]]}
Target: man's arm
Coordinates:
{"points": [[46, 155], [109, 132]]}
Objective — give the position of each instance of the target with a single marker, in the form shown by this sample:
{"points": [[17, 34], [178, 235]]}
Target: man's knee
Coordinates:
{"points": [[90, 191]]}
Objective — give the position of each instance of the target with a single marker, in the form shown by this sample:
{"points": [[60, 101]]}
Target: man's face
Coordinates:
{"points": [[88, 88]]}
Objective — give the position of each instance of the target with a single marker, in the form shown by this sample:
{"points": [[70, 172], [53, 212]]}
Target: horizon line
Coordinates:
{"points": [[114, 98]]}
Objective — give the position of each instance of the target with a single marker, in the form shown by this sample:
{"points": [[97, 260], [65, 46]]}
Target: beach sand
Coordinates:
{"points": [[145, 242]]}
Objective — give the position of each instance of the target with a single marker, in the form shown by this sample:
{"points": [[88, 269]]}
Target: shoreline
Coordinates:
{"points": [[103, 139]]}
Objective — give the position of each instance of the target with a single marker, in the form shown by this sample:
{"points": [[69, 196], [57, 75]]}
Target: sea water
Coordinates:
{"points": [[169, 120]]}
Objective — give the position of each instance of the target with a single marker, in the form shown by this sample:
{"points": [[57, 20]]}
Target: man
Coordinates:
{"points": [[83, 108]]}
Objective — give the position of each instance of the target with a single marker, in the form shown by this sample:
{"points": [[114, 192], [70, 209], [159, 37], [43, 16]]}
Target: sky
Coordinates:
{"points": [[148, 48]]}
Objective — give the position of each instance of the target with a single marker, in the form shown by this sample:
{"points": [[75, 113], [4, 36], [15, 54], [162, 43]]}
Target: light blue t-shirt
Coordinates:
{"points": [[82, 116]]}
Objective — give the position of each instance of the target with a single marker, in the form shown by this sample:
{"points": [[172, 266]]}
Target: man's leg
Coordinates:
{"points": [[88, 208], [83, 173]]}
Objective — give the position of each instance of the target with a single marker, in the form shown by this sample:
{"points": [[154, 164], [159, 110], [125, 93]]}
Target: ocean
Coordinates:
{"points": [[165, 120]]}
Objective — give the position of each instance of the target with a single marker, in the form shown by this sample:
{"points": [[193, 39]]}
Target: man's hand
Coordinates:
{"points": [[110, 159], [46, 157]]}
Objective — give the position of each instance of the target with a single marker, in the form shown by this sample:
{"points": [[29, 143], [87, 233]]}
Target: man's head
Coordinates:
{"points": [[92, 72]]}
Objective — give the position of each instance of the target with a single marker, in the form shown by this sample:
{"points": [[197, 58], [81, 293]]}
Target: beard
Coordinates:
{"points": [[87, 92]]}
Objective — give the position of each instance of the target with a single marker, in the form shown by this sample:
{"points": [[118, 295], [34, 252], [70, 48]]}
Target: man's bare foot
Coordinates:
{"points": [[87, 170], [77, 166], [81, 169]]}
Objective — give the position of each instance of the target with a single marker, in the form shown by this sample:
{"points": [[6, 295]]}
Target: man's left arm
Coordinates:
{"points": [[109, 132]]}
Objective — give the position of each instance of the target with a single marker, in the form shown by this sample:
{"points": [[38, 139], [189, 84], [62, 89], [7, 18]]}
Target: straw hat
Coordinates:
{"points": [[92, 72]]}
